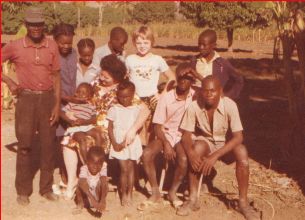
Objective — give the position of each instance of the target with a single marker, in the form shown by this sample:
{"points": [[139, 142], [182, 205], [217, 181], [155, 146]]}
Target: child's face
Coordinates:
{"points": [[64, 43], [83, 93], [106, 79], [94, 166], [125, 97], [118, 43], [86, 55], [205, 46], [143, 46]]}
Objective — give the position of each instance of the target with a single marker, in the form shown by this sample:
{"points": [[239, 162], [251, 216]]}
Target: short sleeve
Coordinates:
{"points": [[7, 52], [160, 112], [55, 59], [83, 172], [67, 108], [234, 118], [111, 114], [189, 119], [163, 65]]}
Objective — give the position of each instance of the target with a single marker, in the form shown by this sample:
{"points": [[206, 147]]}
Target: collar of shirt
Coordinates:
{"points": [[91, 66], [216, 55], [27, 42], [220, 107], [189, 95]]}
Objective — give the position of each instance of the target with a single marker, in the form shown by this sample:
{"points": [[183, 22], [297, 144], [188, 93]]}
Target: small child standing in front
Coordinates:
{"points": [[122, 117], [92, 184], [144, 68]]}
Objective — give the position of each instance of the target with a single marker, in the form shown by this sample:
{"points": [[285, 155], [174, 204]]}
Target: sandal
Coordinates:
{"points": [[249, 212], [146, 204]]}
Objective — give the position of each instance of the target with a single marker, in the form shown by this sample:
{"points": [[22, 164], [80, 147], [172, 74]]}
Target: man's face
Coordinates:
{"points": [[205, 46], [210, 92], [184, 83], [118, 43], [35, 31]]}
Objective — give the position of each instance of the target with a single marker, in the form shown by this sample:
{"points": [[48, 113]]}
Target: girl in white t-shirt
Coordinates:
{"points": [[122, 117], [144, 68]]}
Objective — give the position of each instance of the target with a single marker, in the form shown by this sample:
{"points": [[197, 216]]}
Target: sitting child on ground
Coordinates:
{"points": [[92, 186], [82, 134], [122, 117]]}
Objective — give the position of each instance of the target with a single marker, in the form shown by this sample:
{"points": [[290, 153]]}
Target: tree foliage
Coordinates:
{"points": [[146, 12], [225, 15]]}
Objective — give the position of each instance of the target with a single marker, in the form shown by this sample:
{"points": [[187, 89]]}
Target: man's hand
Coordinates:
{"points": [[207, 164], [169, 152], [195, 160], [79, 122], [191, 72], [55, 115], [155, 99]]}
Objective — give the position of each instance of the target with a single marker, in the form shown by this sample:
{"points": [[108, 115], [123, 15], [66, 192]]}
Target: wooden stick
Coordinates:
{"points": [[199, 186]]}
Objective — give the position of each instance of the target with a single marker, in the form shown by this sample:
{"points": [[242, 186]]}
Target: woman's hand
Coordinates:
{"points": [[155, 99]]}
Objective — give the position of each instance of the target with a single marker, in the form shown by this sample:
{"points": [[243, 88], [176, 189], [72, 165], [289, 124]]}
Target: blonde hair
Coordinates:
{"points": [[144, 32]]}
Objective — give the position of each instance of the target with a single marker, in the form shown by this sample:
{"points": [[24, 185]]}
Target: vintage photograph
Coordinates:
{"points": [[142, 110]]}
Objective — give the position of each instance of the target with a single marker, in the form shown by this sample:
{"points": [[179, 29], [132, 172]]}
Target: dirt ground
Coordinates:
{"points": [[275, 189]]}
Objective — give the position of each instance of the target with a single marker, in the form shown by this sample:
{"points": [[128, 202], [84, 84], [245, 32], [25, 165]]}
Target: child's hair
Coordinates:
{"points": [[126, 84], [144, 32], [118, 31], [88, 87], [63, 29], [85, 42], [114, 66], [96, 153], [209, 33]]}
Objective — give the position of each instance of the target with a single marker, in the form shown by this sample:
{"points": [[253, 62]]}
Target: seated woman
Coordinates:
{"points": [[113, 71]]}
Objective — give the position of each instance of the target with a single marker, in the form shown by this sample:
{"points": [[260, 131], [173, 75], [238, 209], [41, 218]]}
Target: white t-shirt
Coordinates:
{"points": [[103, 51], [144, 72], [91, 73]]}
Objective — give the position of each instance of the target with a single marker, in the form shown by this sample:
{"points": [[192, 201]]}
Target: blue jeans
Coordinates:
{"points": [[32, 119]]}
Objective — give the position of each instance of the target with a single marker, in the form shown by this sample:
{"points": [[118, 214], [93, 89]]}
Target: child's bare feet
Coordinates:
{"points": [[173, 198], [124, 200]]}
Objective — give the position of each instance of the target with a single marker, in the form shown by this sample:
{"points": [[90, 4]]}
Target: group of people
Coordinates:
{"points": [[98, 105]]}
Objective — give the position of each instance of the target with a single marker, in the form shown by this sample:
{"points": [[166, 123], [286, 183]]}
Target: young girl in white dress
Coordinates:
{"points": [[122, 117]]}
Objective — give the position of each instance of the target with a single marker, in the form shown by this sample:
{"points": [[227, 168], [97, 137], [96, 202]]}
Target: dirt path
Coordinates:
{"points": [[278, 196]]}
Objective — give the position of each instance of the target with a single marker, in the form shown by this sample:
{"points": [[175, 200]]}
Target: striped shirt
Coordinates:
{"points": [[80, 111]]}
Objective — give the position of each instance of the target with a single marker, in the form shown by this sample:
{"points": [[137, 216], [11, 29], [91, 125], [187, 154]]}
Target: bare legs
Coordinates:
{"points": [[127, 180], [149, 155]]}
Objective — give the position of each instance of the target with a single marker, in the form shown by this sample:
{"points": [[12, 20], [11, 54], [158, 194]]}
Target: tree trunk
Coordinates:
{"points": [[230, 39], [300, 44], [100, 15], [78, 17]]}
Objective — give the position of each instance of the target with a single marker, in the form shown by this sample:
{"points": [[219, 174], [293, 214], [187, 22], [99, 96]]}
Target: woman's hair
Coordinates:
{"points": [[144, 32], [63, 29], [85, 42], [96, 154], [88, 87], [114, 66], [126, 84]]}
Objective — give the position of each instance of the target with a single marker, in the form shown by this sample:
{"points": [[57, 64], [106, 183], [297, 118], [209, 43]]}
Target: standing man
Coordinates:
{"points": [[205, 125], [117, 41], [36, 59]]}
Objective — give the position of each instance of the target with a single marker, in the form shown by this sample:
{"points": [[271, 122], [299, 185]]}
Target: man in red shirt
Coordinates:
{"points": [[36, 59]]}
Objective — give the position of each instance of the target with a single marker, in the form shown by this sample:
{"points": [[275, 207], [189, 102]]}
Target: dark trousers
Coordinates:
{"points": [[33, 112]]}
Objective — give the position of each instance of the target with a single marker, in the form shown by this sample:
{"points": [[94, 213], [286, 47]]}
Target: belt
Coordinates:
{"points": [[36, 92]]}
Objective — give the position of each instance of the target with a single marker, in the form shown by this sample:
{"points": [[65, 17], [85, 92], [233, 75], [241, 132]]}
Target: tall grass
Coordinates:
{"points": [[182, 30]]}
